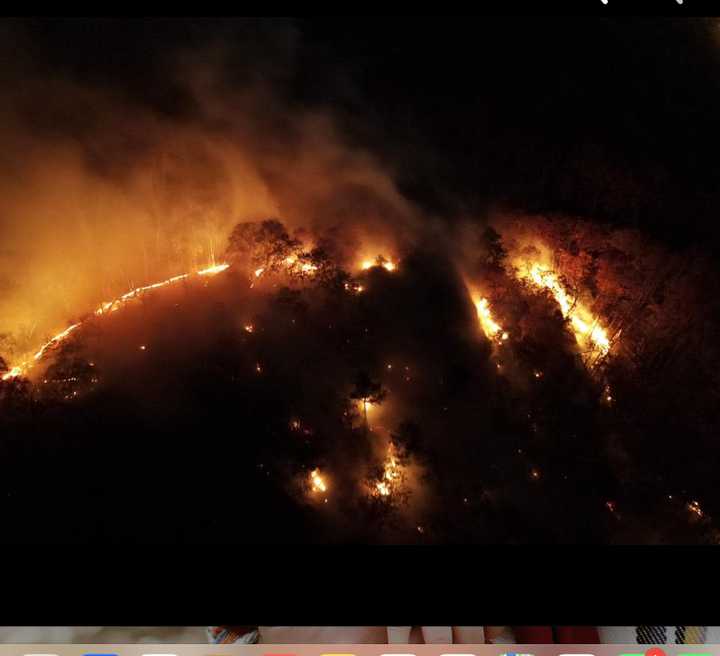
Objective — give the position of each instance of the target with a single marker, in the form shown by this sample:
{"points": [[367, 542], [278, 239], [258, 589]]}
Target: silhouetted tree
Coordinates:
{"points": [[261, 244], [495, 252], [367, 391]]}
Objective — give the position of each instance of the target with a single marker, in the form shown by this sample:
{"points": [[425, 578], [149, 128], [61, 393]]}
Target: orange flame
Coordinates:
{"points": [[108, 306], [493, 330], [588, 332], [379, 261], [391, 476], [317, 483]]}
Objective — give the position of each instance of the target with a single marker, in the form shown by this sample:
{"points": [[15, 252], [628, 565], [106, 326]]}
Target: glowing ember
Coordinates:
{"points": [[694, 507], [354, 287], [491, 328], [249, 328], [259, 272], [317, 484], [607, 393], [587, 331], [104, 308]]}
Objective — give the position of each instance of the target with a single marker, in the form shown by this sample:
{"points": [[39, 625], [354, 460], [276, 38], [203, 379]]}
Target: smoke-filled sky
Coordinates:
{"points": [[561, 171], [117, 172], [130, 148]]}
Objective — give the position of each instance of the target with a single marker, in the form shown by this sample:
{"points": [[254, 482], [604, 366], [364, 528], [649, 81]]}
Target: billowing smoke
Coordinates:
{"points": [[102, 190]]}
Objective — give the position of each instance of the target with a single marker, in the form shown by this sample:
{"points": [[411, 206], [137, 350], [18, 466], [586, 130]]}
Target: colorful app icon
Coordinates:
{"points": [[655, 651]]}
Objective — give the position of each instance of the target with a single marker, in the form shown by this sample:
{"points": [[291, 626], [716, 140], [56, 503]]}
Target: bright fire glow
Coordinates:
{"points": [[212, 270], [104, 308], [317, 483], [354, 287], [588, 333], [365, 406], [292, 265], [493, 330], [379, 261], [391, 476]]}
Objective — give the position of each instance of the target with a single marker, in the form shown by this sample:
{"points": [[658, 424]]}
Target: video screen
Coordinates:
{"points": [[407, 280]]}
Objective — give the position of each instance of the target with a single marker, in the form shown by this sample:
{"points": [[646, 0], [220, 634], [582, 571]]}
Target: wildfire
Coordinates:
{"points": [[23, 368], [588, 332], [492, 329], [294, 266], [391, 476], [317, 484], [13, 373], [104, 308], [379, 261], [213, 270], [365, 405], [354, 287], [115, 304]]}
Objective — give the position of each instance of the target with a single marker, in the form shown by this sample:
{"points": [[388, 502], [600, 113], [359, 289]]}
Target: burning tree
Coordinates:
{"points": [[537, 424], [264, 245]]}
